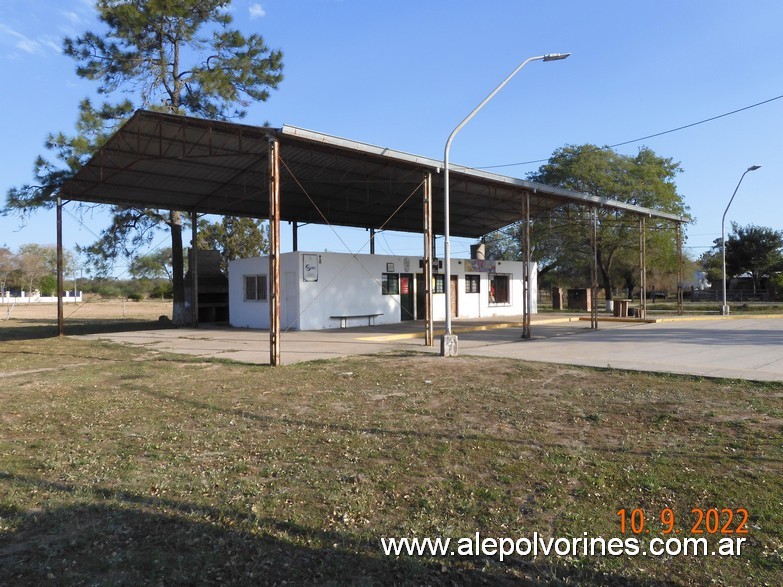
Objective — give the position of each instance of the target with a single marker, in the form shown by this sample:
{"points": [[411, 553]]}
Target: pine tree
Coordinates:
{"points": [[178, 56]]}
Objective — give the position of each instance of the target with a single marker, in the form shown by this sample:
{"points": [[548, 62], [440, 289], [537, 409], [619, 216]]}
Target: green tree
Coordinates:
{"points": [[8, 265], [35, 262], [711, 262], [179, 56], [754, 250], [36, 267], [234, 238], [561, 241], [155, 265]]}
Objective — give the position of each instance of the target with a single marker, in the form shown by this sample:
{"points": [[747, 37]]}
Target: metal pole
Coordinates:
{"points": [[372, 241], [526, 306], [295, 235], [60, 316], [429, 332], [594, 286], [274, 252], [194, 270], [725, 308], [643, 266], [449, 341], [680, 310]]}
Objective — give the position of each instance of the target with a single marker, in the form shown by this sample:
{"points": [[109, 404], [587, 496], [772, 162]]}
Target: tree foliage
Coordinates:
{"points": [[154, 265], [561, 241], [179, 56], [33, 267], [756, 251], [234, 238], [8, 264]]}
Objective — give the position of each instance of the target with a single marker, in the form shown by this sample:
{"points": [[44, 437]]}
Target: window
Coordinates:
{"points": [[390, 284], [255, 288], [499, 292], [438, 283], [472, 283]]}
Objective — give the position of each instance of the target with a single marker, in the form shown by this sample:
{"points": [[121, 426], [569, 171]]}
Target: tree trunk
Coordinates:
{"points": [[606, 277], [177, 270]]}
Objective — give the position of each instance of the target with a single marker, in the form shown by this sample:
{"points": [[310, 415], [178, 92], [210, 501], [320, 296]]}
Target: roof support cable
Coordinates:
{"points": [[354, 256]]}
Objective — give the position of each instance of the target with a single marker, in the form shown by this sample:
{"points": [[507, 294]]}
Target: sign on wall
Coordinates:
{"points": [[479, 266], [310, 267]]}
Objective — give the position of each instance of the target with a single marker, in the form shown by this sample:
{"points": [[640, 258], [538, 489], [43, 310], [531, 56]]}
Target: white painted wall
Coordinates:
{"points": [[244, 314], [351, 284], [347, 285]]}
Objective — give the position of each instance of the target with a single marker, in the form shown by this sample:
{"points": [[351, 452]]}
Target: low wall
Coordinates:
{"points": [[68, 298]]}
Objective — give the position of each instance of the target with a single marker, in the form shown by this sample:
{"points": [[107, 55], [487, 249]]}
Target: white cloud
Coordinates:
{"points": [[29, 45], [73, 17], [20, 41], [257, 11]]}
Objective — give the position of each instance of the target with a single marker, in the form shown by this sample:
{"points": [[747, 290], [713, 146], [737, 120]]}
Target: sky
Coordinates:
{"points": [[403, 74]]}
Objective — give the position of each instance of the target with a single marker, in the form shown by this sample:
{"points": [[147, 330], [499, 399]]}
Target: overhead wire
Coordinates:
{"points": [[354, 256], [115, 277], [644, 138]]}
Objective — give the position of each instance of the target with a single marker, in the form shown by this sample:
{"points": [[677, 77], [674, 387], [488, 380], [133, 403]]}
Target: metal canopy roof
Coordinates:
{"points": [[175, 162]]}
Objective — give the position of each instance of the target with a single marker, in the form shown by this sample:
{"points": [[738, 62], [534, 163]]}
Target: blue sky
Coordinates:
{"points": [[403, 74]]}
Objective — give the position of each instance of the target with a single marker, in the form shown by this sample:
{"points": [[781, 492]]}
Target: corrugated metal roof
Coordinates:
{"points": [[168, 161]]}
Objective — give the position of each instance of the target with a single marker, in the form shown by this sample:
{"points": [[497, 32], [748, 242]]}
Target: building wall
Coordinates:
{"points": [[317, 286]]}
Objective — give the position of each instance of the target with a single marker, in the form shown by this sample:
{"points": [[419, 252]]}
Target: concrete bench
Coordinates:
{"points": [[345, 317]]}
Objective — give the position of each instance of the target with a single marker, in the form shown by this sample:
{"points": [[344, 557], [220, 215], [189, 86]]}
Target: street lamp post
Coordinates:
{"points": [[449, 340], [725, 308]]}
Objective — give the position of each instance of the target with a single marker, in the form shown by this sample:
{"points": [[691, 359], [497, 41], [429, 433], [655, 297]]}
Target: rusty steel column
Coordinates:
{"points": [[594, 274], [680, 310], [526, 297], [274, 252], [194, 270], [643, 266], [429, 327], [60, 316]]}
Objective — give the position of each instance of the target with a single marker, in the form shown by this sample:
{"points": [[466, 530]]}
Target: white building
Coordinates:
{"points": [[333, 290]]}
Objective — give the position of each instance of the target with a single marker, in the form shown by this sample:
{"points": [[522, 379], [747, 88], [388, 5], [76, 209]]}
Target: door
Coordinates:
{"points": [[421, 297], [406, 296], [290, 309], [454, 293]]}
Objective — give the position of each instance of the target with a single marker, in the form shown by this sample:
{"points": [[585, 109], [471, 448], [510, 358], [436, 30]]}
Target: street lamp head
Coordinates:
{"points": [[555, 56], [754, 167]]}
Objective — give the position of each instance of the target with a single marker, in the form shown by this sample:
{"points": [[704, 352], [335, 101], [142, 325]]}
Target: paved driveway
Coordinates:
{"points": [[748, 348]]}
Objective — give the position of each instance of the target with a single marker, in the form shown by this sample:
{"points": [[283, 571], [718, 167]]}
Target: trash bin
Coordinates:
{"points": [[621, 308]]}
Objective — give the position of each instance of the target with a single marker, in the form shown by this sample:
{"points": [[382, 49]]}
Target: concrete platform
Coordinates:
{"points": [[736, 347]]}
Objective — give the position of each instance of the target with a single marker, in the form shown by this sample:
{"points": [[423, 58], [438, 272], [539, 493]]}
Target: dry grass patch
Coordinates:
{"points": [[125, 471]]}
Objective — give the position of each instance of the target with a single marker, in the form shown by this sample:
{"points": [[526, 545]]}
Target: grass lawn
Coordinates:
{"points": [[122, 466]]}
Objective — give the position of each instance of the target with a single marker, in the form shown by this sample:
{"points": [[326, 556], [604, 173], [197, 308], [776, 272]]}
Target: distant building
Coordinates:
{"points": [[333, 290]]}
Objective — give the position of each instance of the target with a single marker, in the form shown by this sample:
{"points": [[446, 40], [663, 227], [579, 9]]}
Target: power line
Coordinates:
{"points": [[658, 134]]}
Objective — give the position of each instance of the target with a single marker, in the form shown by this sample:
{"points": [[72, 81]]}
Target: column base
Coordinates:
{"points": [[449, 346]]}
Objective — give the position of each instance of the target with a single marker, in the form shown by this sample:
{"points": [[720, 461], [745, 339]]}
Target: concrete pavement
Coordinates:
{"points": [[736, 347], [742, 348]]}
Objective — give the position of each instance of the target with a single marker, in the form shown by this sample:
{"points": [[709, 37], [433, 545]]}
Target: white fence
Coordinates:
{"points": [[36, 298]]}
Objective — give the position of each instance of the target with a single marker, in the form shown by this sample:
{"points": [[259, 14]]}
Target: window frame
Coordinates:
{"points": [[472, 283], [260, 287], [493, 289], [439, 283], [390, 284]]}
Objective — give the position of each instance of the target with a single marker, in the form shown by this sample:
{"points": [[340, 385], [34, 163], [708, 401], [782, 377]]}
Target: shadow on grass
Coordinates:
{"points": [[313, 424], [126, 539], [35, 329]]}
